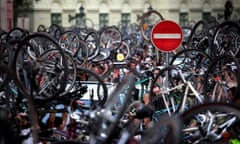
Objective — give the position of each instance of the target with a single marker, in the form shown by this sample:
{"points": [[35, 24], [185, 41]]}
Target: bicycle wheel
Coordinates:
{"points": [[29, 66], [221, 82], [195, 62], [165, 101], [16, 34], [109, 36], [122, 52], [92, 42], [55, 31], [200, 37], [226, 39], [210, 123], [71, 73], [148, 20], [69, 41]]}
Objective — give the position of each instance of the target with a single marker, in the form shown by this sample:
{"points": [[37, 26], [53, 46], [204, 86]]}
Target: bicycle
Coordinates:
{"points": [[211, 123], [179, 85]]}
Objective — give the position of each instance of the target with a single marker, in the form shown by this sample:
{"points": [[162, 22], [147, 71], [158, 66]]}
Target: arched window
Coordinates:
{"points": [[56, 13], [206, 10], [126, 14], [103, 15], [183, 14]]}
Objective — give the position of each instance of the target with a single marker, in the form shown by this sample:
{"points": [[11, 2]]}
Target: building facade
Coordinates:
{"points": [[6, 14], [99, 13]]}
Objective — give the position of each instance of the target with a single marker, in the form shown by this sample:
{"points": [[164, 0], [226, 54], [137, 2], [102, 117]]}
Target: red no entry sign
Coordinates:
{"points": [[166, 36]]}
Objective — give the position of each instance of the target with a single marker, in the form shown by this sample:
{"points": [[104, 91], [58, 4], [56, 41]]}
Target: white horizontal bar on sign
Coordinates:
{"points": [[167, 36]]}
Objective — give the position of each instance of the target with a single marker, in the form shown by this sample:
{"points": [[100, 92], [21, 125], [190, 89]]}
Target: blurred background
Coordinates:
{"points": [[29, 14]]}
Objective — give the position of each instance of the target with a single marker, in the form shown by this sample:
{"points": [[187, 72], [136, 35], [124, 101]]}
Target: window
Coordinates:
{"points": [[206, 15], [56, 18], [103, 20], [125, 19], [183, 18]]}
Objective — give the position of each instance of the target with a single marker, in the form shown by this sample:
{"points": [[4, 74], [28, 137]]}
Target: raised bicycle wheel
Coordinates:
{"points": [[221, 82], [71, 73], [92, 42], [55, 31], [148, 20], [200, 37], [195, 62], [109, 36], [29, 64], [226, 39], [69, 41]]}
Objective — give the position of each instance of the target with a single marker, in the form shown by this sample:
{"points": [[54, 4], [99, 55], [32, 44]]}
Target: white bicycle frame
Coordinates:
{"points": [[188, 85]]}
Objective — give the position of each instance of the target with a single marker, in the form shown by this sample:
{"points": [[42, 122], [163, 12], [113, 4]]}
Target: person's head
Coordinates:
{"points": [[148, 61], [137, 56]]}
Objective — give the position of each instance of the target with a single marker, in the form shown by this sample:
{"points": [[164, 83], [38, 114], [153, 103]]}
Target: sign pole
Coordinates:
{"points": [[166, 36]]}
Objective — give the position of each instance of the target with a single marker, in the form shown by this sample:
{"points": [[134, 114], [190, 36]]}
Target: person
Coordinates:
{"points": [[228, 10]]}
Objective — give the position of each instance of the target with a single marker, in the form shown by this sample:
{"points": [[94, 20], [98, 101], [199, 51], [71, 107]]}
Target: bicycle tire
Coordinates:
{"points": [[92, 40], [69, 41], [19, 58], [108, 36], [159, 84], [143, 26], [72, 69], [226, 47], [117, 103], [218, 67], [195, 38], [197, 62], [16, 34], [55, 30]]}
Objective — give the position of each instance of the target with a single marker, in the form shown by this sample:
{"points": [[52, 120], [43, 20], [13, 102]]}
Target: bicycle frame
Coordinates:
{"points": [[212, 131], [188, 85]]}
